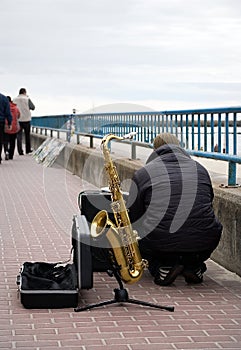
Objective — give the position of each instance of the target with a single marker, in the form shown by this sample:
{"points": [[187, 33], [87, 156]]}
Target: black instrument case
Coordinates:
{"points": [[57, 285], [44, 285]]}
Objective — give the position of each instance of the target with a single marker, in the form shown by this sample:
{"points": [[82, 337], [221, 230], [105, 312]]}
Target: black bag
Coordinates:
{"points": [[48, 285], [41, 275]]}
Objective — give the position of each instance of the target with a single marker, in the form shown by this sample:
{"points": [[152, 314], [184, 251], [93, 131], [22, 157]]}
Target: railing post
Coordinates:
{"points": [[133, 151], [235, 133], [91, 142], [227, 133], [219, 132], [199, 133], [212, 133], [231, 173]]}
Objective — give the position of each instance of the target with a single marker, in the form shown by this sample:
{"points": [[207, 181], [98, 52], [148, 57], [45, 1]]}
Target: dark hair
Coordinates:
{"points": [[9, 98], [22, 91]]}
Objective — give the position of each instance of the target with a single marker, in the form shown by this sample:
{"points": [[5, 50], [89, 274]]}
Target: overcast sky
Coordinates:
{"points": [[159, 54]]}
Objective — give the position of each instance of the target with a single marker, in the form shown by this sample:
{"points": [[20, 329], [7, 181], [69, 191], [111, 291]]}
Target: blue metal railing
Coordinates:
{"points": [[209, 133]]}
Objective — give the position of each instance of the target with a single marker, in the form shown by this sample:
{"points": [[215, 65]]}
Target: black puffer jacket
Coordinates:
{"points": [[170, 203], [5, 113]]}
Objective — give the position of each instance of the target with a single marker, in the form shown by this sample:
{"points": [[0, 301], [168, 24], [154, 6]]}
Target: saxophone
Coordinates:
{"points": [[122, 238]]}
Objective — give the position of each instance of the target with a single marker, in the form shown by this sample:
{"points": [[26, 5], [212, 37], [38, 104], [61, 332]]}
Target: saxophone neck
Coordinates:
{"points": [[106, 139]]}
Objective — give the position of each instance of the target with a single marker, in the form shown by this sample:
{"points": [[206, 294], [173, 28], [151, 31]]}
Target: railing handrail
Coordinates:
{"points": [[236, 109]]}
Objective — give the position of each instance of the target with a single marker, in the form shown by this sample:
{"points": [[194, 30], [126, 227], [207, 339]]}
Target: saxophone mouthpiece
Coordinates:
{"points": [[130, 135]]}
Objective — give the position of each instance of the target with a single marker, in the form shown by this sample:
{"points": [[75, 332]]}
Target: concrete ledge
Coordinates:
{"points": [[227, 206], [88, 164]]}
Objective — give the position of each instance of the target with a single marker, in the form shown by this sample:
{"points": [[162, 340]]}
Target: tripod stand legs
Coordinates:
{"points": [[144, 303], [91, 306], [121, 295]]}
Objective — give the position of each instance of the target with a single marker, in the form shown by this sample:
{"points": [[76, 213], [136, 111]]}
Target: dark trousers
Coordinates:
{"points": [[9, 146], [26, 127], [190, 260], [5, 142], [1, 138]]}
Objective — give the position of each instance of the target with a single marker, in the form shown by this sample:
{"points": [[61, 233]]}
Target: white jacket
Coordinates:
{"points": [[24, 105]]}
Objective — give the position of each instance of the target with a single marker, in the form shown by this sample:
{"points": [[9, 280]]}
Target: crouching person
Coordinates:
{"points": [[170, 203]]}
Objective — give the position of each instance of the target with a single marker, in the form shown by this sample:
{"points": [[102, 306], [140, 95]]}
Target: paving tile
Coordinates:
{"points": [[37, 206]]}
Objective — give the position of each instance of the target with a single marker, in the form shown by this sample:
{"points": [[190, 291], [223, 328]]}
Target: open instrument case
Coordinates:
{"points": [[58, 285]]}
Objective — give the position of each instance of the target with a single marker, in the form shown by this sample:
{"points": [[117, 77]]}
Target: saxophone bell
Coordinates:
{"points": [[100, 224]]}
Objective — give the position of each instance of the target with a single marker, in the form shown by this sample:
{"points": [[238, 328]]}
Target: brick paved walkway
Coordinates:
{"points": [[37, 205]]}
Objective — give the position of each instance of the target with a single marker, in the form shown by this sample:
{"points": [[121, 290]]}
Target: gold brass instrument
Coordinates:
{"points": [[122, 238]]}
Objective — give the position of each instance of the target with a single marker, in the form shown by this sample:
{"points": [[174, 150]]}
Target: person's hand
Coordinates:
{"points": [[9, 127]]}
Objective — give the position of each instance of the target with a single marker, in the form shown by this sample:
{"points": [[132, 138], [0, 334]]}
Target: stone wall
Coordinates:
{"points": [[227, 206], [89, 165]]}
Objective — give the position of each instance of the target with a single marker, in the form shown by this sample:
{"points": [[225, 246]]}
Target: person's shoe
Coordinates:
{"points": [[21, 153], [153, 266], [167, 275], [6, 156], [30, 151], [195, 276]]}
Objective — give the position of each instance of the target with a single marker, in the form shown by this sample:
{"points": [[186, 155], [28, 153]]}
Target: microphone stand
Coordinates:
{"points": [[121, 296]]}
